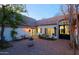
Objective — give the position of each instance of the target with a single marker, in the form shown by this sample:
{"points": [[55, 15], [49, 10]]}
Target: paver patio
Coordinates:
{"points": [[41, 47]]}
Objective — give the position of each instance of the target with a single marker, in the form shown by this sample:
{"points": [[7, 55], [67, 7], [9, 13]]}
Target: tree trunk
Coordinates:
{"points": [[3, 25], [2, 33], [78, 31], [72, 28], [77, 23]]}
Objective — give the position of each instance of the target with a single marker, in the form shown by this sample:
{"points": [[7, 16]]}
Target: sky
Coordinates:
{"points": [[42, 11]]}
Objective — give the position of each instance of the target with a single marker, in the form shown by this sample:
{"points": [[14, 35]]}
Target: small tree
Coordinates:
{"points": [[10, 16]]}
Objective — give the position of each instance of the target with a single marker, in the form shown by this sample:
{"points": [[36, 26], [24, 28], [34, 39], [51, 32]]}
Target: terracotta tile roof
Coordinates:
{"points": [[64, 19], [50, 21], [30, 22]]}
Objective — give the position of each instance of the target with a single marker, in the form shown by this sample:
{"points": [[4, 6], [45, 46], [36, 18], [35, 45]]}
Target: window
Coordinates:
{"points": [[64, 29], [49, 31], [40, 30], [36, 30], [55, 31], [45, 30]]}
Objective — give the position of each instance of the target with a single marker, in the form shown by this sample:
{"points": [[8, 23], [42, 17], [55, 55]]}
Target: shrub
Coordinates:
{"points": [[43, 36], [46, 37]]}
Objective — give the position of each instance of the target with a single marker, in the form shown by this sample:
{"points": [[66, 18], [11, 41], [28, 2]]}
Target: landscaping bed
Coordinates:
{"points": [[46, 37]]}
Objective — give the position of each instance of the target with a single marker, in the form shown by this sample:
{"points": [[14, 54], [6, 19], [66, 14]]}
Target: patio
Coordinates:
{"points": [[41, 47]]}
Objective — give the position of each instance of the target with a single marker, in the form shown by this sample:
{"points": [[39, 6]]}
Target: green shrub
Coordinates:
{"points": [[46, 37], [43, 36]]}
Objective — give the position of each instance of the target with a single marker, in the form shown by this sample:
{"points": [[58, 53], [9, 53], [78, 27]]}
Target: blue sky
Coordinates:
{"points": [[40, 11]]}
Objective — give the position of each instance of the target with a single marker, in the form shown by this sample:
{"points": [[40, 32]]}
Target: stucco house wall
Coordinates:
{"points": [[20, 32], [48, 26]]}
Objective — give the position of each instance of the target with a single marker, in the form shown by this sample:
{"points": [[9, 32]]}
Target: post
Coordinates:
{"points": [[57, 30]]}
